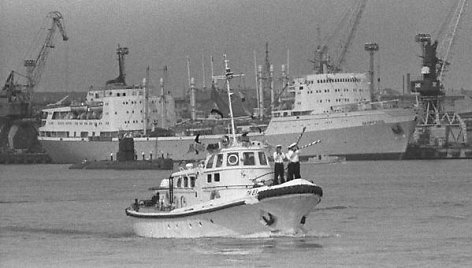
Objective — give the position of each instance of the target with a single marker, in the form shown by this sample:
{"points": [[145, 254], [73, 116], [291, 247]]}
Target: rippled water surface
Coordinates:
{"points": [[385, 213]]}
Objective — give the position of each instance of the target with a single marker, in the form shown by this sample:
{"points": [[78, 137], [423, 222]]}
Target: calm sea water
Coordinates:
{"points": [[386, 213]]}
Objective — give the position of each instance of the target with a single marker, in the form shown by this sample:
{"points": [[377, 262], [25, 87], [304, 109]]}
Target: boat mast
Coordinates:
{"points": [[229, 75], [146, 99], [193, 108], [163, 104], [256, 74], [203, 73]]}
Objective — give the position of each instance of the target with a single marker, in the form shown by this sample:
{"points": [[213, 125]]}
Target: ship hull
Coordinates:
{"points": [[73, 150], [284, 213], [368, 135]]}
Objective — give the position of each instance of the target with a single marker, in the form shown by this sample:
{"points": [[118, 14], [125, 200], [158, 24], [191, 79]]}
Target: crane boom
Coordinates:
{"points": [[447, 43], [354, 20], [339, 40], [35, 67]]}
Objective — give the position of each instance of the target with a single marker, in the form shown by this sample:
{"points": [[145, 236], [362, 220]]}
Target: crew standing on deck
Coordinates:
{"points": [[279, 158], [294, 162]]}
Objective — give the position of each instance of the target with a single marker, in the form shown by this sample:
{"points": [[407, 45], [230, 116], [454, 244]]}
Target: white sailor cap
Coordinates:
{"points": [[278, 146]]}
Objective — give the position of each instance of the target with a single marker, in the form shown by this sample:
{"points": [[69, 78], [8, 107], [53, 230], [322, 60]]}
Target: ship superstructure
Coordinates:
{"points": [[105, 114]]}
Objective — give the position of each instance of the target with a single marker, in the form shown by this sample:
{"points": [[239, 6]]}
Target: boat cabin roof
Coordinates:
{"points": [[248, 155]]}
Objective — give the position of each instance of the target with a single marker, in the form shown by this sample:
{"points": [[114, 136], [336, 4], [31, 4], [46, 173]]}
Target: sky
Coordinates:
{"points": [[162, 33]]}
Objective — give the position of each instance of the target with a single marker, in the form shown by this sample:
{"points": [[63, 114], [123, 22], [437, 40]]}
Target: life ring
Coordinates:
{"points": [[233, 159]]}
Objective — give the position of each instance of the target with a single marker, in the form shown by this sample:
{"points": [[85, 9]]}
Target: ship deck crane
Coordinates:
{"points": [[18, 96]]}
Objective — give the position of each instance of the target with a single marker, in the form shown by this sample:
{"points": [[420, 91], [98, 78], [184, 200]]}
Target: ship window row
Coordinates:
{"points": [[321, 101], [134, 122], [77, 123], [336, 80], [345, 90], [335, 90], [123, 94], [341, 100], [131, 102], [74, 115], [65, 134], [185, 182], [76, 134], [141, 111]]}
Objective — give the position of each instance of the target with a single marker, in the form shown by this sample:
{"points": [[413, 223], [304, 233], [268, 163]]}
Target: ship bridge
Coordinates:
{"points": [[322, 93]]}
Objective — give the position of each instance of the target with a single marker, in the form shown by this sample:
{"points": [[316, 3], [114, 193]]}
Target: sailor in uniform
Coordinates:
{"points": [[294, 162], [279, 158]]}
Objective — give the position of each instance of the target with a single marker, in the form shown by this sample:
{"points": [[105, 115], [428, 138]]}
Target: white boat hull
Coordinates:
{"points": [[277, 215]]}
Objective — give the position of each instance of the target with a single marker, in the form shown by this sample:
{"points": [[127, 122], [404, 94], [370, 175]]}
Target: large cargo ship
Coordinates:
{"points": [[91, 130], [337, 108]]}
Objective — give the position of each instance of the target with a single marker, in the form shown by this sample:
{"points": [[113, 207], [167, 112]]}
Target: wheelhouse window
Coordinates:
{"points": [[210, 161], [249, 159], [262, 159], [219, 160], [217, 177], [185, 182], [192, 181]]}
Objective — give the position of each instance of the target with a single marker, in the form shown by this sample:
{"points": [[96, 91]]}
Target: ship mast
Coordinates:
{"points": [[229, 75], [146, 100]]}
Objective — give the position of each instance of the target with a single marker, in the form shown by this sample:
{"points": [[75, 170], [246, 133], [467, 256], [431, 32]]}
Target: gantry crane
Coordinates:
{"points": [[15, 98]]}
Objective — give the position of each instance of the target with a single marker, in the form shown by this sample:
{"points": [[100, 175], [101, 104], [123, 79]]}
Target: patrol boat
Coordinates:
{"points": [[228, 194]]}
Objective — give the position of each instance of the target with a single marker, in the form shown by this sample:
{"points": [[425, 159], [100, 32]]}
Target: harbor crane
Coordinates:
{"points": [[339, 41], [15, 98], [430, 87]]}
